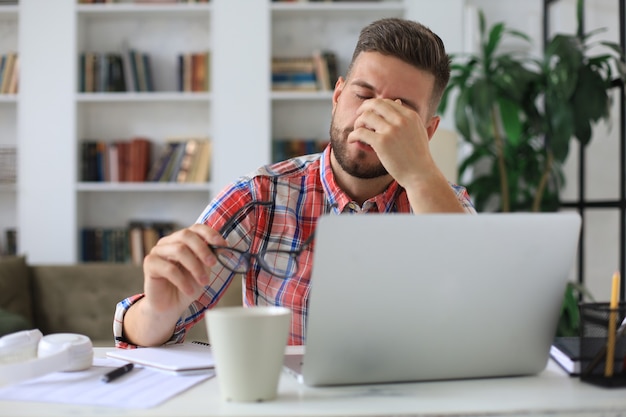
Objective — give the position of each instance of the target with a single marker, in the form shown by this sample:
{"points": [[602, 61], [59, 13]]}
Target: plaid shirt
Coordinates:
{"points": [[301, 189]]}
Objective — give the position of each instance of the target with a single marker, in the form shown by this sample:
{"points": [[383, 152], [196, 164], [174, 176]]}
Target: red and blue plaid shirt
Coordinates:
{"points": [[301, 190]]}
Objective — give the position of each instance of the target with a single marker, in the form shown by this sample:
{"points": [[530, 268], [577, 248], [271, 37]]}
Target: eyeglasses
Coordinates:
{"points": [[280, 263]]}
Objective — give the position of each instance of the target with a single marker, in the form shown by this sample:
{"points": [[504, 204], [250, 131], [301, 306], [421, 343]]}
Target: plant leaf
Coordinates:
{"points": [[509, 112], [460, 115], [563, 57], [495, 35], [590, 100], [482, 24], [561, 130]]}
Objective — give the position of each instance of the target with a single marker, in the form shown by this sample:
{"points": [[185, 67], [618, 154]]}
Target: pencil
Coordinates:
{"points": [[610, 344]]}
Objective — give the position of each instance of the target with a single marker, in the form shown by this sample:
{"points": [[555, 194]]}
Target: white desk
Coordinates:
{"points": [[550, 393]]}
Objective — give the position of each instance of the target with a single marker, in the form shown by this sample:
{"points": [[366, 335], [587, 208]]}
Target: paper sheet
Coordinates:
{"points": [[141, 388]]}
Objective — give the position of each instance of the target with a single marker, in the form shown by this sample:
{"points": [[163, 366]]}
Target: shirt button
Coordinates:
{"points": [[354, 207]]}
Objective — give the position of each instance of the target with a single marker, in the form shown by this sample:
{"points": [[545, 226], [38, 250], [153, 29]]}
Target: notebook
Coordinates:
{"points": [[182, 359], [400, 297]]}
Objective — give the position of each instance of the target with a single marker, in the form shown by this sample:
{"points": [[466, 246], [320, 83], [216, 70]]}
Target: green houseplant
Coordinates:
{"points": [[519, 113]]}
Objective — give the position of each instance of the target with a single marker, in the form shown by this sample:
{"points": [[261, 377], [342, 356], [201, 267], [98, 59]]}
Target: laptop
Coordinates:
{"points": [[398, 298]]}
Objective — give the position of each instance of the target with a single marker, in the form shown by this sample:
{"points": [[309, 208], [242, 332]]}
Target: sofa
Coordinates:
{"points": [[78, 298]]}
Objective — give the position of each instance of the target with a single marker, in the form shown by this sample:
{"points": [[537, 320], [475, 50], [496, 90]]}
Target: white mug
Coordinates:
{"points": [[248, 345]]}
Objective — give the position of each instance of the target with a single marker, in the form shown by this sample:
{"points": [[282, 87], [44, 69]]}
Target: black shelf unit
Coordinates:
{"points": [[582, 203]]}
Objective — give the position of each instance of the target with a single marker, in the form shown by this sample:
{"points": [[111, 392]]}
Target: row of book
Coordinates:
{"points": [[131, 70], [115, 72], [194, 71], [118, 161], [9, 73], [8, 164], [291, 147], [318, 72], [183, 161], [122, 244]]}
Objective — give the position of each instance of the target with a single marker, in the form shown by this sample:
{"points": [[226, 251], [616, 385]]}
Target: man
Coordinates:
{"points": [[262, 226]]}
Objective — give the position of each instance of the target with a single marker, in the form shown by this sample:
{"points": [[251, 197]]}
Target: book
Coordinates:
{"points": [[293, 64], [150, 237], [143, 235], [8, 72], [89, 69], [101, 163], [321, 71], [187, 72], [89, 156], [294, 74], [286, 148], [129, 69], [199, 71], [103, 72], [160, 165], [566, 352], [113, 163], [3, 60], [140, 68], [173, 164], [11, 242], [123, 160], [294, 81], [201, 165], [117, 78], [191, 148], [139, 159], [14, 77], [181, 358], [147, 69], [333, 67], [104, 244], [135, 237]]}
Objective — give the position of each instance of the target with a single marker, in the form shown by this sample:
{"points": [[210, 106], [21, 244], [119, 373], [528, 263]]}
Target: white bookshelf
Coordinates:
{"points": [[163, 31], [8, 122], [240, 114]]}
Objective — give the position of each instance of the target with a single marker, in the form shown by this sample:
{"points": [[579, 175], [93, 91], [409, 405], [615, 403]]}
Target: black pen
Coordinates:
{"points": [[117, 372]]}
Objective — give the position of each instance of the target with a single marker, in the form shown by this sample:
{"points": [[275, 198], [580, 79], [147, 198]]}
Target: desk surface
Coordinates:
{"points": [[552, 392]]}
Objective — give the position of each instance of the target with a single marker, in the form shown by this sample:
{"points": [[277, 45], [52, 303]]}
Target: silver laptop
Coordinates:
{"points": [[440, 296]]}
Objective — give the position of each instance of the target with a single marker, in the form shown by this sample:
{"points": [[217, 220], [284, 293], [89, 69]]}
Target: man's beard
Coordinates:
{"points": [[357, 167]]}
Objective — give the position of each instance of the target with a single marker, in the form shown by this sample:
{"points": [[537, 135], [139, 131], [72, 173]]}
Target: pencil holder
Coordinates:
{"points": [[599, 340]]}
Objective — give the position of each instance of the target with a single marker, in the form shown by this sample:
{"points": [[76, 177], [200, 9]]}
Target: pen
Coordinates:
{"points": [[610, 346], [117, 372]]}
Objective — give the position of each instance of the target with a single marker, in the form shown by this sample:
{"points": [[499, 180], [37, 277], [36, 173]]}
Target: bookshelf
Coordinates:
{"points": [[8, 131], [162, 32], [240, 114]]}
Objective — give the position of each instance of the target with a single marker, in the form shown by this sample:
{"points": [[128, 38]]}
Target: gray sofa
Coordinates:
{"points": [[77, 298]]}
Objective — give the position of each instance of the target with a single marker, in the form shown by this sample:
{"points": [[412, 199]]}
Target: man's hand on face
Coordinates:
{"points": [[398, 136]]}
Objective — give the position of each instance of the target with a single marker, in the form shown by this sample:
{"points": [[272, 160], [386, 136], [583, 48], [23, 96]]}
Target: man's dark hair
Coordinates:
{"points": [[410, 42]]}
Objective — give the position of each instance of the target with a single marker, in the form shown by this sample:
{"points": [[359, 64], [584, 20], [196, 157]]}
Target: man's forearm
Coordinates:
{"points": [[433, 196], [145, 327]]}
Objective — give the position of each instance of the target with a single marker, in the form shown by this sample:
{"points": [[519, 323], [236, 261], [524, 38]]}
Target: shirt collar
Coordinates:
{"points": [[381, 203]]}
